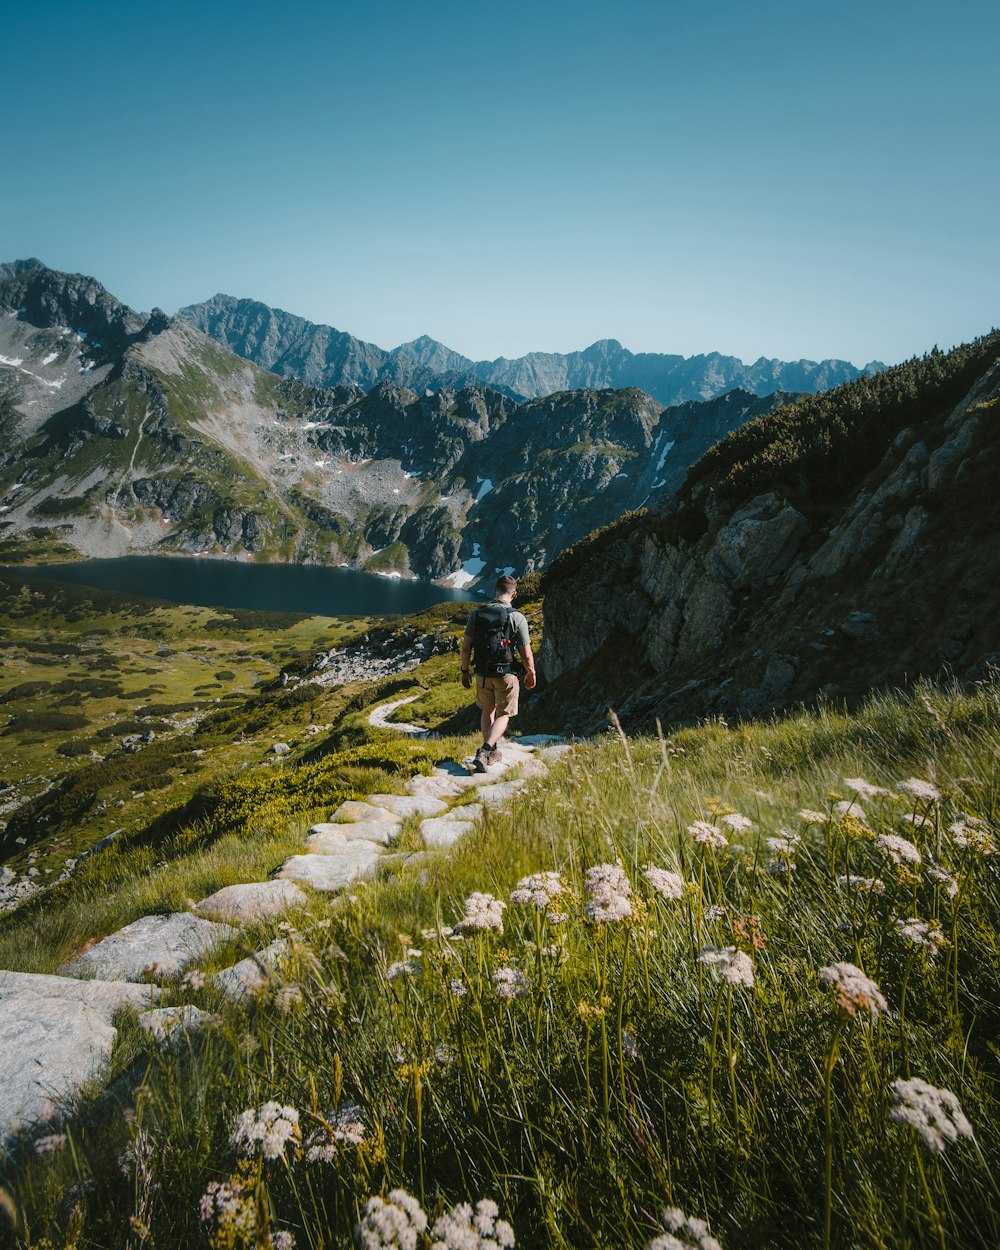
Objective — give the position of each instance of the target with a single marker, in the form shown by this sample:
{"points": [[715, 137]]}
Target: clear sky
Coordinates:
{"points": [[757, 177]]}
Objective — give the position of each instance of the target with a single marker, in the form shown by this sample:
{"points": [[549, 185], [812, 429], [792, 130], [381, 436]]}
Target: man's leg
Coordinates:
{"points": [[485, 721], [496, 729]]}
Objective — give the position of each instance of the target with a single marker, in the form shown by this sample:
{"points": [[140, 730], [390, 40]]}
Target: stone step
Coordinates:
{"points": [[358, 810], [378, 831], [253, 974], [152, 947], [501, 791], [404, 805], [335, 869], [438, 831], [56, 1034], [254, 900]]}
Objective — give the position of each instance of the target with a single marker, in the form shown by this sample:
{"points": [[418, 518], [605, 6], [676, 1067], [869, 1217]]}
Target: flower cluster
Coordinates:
{"points": [[852, 808], [899, 850], [609, 888], [269, 1129], [511, 983], [669, 885], [941, 877], [708, 835], [392, 1223], [230, 1208], [683, 1232], [972, 834], [735, 967], [51, 1144], [922, 933], [736, 822], [920, 789], [341, 1128], [813, 818], [483, 912], [401, 968], [864, 885], [465, 1228], [539, 889], [864, 789], [855, 991], [935, 1114]]}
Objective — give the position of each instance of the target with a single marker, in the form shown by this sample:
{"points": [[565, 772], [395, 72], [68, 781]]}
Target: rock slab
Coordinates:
{"points": [[152, 946], [256, 900], [253, 974], [55, 1035], [439, 832], [336, 869], [403, 805]]}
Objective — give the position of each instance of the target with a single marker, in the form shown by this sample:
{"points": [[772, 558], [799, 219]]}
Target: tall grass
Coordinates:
{"points": [[620, 1049]]}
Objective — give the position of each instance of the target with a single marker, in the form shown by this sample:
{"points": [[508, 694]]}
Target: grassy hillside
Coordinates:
{"points": [[655, 1025]]}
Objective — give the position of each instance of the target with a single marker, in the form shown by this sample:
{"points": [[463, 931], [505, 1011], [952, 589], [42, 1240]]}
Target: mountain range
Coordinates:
{"points": [[126, 433], [295, 348]]}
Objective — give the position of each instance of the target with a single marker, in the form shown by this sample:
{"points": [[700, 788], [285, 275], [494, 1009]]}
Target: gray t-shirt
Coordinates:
{"points": [[518, 625]]}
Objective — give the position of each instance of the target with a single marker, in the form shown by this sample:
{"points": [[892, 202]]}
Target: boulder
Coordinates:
{"points": [[329, 834], [152, 946], [439, 832], [255, 900], [403, 805], [333, 870], [253, 974]]}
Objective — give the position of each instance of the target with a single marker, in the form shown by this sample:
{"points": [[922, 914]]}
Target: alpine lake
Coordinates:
{"points": [[216, 583]]}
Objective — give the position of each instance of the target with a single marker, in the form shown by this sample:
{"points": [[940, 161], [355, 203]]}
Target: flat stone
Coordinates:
{"points": [[549, 755], [501, 791], [433, 787], [55, 1035], [253, 974], [440, 832], [533, 767], [333, 835], [333, 871], [158, 946], [168, 1025], [353, 810], [467, 812], [254, 900], [403, 805]]}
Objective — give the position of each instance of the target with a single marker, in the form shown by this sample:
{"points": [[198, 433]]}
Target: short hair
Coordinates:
{"points": [[506, 585]]}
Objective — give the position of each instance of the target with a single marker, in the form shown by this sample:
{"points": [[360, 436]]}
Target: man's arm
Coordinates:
{"points": [[466, 657], [528, 660]]}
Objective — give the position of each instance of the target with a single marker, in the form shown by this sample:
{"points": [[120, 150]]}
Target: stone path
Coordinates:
{"points": [[57, 1032]]}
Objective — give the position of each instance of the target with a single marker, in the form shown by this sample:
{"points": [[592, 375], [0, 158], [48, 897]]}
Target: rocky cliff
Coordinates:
{"points": [[845, 542], [127, 434], [293, 347]]}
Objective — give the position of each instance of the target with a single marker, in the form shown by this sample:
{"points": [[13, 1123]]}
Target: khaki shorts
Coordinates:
{"points": [[497, 694]]}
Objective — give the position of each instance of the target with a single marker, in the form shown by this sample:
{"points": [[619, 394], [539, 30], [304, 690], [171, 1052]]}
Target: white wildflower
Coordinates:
{"points": [[401, 968], [557, 917], [457, 987], [282, 1241], [50, 1145], [715, 913], [850, 807], [972, 834], [917, 819], [922, 933], [465, 1228], [511, 983], [855, 991], [683, 1232], [864, 789], [734, 966], [669, 885], [433, 935], [342, 1128], [287, 997], [270, 1128], [899, 850], [940, 876], [629, 1048], [936, 1114], [736, 822], [193, 980], [231, 1209], [708, 835], [539, 889], [483, 912], [609, 889], [785, 843], [813, 818], [780, 866], [394, 1223], [921, 789], [864, 885]]}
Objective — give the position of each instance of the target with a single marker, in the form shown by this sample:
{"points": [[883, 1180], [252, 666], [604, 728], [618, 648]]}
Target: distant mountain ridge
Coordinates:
{"points": [[323, 356], [122, 433]]}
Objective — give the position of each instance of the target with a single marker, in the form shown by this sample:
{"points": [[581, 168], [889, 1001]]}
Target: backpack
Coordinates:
{"points": [[492, 654]]}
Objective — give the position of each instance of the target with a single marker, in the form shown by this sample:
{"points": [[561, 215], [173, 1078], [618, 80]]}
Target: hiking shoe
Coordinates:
{"points": [[494, 756], [481, 759]]}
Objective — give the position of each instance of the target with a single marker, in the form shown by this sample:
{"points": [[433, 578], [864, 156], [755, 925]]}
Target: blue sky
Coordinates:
{"points": [[770, 178]]}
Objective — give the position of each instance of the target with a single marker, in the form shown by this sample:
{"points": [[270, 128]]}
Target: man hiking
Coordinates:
{"points": [[492, 631]]}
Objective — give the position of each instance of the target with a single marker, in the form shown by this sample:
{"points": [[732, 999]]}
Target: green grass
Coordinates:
{"points": [[629, 1078]]}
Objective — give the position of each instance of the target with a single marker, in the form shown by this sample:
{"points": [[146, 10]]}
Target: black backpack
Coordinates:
{"points": [[492, 654]]}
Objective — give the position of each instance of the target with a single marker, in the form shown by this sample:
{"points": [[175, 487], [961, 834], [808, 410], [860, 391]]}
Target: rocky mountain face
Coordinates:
{"points": [[322, 356], [127, 434], [847, 542]]}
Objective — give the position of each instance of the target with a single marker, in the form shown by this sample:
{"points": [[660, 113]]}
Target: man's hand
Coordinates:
{"points": [[466, 679], [530, 679]]}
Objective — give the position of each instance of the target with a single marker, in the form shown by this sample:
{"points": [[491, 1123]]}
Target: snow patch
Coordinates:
{"points": [[392, 573], [484, 490], [14, 361], [663, 455], [47, 360], [320, 464]]}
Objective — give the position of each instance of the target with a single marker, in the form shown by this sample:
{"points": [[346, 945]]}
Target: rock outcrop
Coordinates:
{"points": [[868, 557]]}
